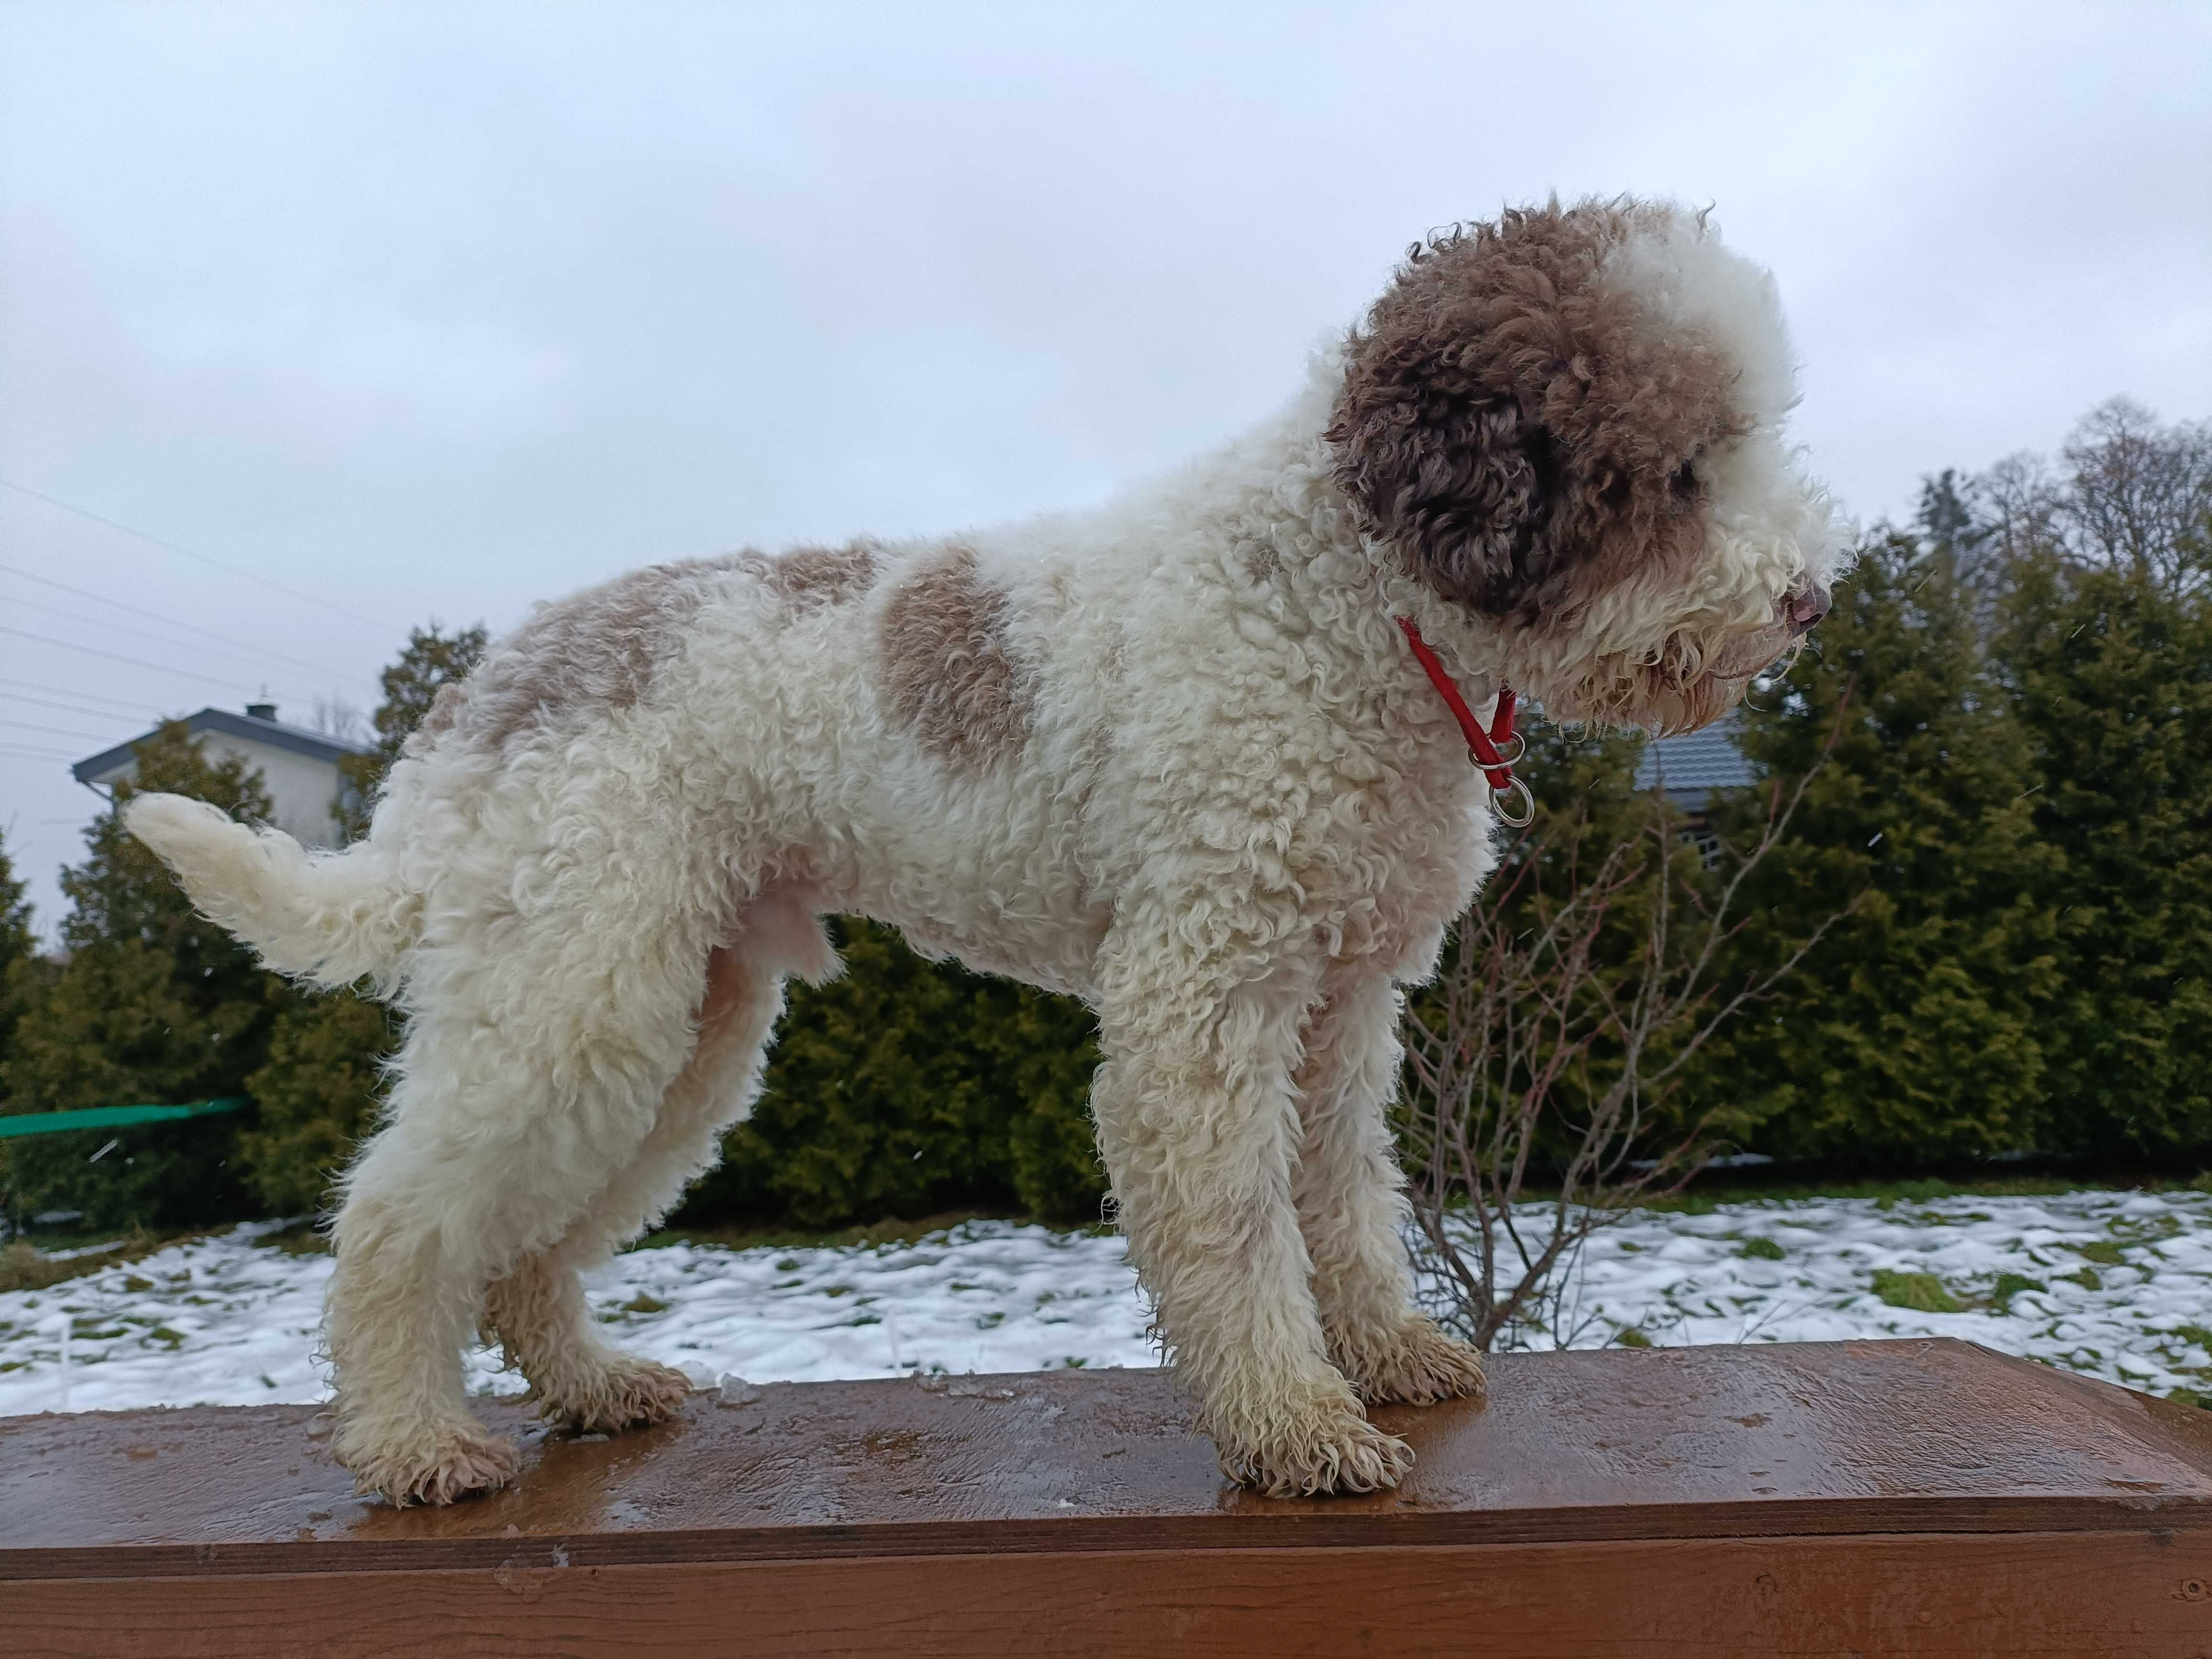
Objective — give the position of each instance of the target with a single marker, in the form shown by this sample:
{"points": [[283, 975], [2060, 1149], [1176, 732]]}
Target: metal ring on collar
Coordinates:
{"points": [[1498, 800]]}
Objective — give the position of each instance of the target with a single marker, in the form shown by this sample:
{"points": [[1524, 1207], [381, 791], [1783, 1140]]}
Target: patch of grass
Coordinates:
{"points": [[24, 1267], [303, 1238], [2103, 1254], [1629, 1337], [889, 1231], [1921, 1293], [2196, 1334], [2085, 1277], [2009, 1285], [642, 1304], [2191, 1397], [1705, 1199], [1762, 1249], [2144, 1229]]}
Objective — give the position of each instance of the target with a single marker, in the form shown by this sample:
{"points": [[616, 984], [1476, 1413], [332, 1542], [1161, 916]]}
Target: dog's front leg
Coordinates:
{"points": [[1351, 1204], [1197, 1120]]}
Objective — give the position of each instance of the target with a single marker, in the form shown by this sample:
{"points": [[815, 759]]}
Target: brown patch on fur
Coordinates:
{"points": [[444, 712], [809, 578], [1513, 427], [596, 649], [946, 666]]}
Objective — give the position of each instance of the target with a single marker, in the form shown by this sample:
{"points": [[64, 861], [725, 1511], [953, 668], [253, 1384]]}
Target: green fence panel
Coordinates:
{"points": [[109, 1117]]}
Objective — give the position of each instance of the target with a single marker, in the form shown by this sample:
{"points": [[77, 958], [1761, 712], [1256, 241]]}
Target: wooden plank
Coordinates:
{"points": [[2116, 1596], [1883, 1437], [1913, 1497]]}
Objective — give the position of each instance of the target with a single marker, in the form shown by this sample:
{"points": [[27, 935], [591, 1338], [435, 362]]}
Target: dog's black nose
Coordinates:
{"points": [[1805, 608]]}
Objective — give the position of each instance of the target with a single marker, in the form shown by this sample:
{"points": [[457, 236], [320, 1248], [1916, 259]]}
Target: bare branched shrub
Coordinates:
{"points": [[1545, 1060]]}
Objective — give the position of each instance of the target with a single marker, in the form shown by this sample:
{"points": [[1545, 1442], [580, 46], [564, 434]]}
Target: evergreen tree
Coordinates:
{"points": [[906, 1086], [315, 1098], [430, 660], [20, 970], [153, 1005], [1915, 1032], [2111, 669]]}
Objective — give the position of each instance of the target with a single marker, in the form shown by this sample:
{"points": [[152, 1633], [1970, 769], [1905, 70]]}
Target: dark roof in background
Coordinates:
{"points": [[1693, 764], [276, 733]]}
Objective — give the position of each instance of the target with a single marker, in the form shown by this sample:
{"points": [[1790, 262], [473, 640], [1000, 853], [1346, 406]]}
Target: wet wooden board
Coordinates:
{"points": [[1877, 1497]]}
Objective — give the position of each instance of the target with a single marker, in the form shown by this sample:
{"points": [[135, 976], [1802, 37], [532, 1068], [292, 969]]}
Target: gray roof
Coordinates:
{"points": [[1691, 765], [276, 733]]}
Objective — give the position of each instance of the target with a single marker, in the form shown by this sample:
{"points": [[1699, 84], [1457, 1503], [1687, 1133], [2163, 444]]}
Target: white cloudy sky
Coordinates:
{"points": [[427, 311]]}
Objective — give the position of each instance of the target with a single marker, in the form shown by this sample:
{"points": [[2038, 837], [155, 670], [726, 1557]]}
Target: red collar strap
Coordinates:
{"points": [[1488, 750]]}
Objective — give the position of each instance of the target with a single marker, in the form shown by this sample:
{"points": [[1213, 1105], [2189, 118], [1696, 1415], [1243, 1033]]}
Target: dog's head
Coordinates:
{"points": [[1569, 423]]}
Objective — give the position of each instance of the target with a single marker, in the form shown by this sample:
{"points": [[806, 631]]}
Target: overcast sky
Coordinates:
{"points": [[430, 311]]}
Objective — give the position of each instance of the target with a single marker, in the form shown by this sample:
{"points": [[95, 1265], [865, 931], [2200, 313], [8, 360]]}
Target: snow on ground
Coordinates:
{"points": [[2115, 1284]]}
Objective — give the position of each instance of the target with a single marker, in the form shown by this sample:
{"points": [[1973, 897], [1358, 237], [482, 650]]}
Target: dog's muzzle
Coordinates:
{"points": [[1803, 610]]}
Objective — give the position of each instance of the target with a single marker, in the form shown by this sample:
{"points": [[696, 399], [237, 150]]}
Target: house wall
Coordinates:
{"points": [[303, 790]]}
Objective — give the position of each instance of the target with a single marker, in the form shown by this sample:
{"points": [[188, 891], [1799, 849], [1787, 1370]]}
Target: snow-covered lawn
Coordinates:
{"points": [[2117, 1284]]}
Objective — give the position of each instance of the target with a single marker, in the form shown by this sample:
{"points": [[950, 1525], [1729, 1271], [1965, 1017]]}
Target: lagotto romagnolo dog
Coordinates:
{"points": [[1176, 756]]}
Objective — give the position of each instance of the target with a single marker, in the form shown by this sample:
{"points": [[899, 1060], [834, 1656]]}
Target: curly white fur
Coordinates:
{"points": [[1174, 757]]}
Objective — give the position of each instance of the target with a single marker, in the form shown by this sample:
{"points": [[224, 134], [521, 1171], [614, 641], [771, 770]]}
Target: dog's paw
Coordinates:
{"points": [[442, 1469], [631, 1393], [1335, 1451], [1414, 1364]]}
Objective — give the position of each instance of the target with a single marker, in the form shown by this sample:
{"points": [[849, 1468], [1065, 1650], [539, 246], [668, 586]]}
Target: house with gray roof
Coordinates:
{"points": [[1691, 765], [298, 766]]}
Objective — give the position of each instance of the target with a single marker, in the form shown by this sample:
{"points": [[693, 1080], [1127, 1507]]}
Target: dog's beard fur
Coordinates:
{"points": [[1689, 682]]}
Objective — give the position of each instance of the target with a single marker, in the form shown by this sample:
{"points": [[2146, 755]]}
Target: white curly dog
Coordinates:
{"points": [[1178, 757]]}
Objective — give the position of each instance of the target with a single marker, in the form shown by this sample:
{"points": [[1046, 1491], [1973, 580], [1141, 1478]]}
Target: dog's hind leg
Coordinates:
{"points": [[538, 1310], [535, 1071], [1352, 1207]]}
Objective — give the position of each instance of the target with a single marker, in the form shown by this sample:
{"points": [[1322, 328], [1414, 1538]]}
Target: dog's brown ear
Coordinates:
{"points": [[1512, 428]]}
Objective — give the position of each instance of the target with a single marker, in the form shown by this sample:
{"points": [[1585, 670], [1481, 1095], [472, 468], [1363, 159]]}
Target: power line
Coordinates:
{"points": [[86, 709], [133, 662], [171, 622], [11, 751], [139, 633], [50, 730], [163, 542], [127, 705]]}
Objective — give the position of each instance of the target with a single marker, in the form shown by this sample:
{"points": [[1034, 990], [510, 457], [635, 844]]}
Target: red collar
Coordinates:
{"points": [[1486, 749]]}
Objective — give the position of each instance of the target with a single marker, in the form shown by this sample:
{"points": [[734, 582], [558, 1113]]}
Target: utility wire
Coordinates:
{"points": [[125, 628], [172, 622], [163, 542], [128, 706], [135, 662], [85, 709], [50, 730]]}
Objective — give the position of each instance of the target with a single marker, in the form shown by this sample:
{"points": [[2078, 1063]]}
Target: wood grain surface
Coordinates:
{"points": [[1916, 1497]]}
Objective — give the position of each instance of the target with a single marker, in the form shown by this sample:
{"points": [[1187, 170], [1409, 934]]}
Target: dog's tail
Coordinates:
{"points": [[329, 917]]}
